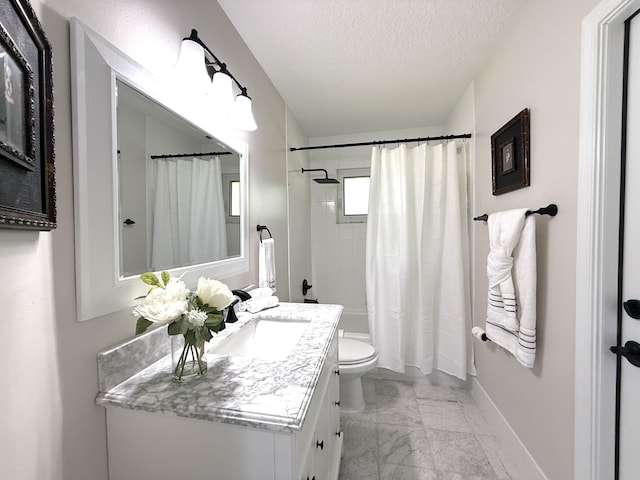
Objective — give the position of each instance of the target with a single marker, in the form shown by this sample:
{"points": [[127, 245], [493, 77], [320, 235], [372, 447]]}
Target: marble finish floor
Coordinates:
{"points": [[419, 430]]}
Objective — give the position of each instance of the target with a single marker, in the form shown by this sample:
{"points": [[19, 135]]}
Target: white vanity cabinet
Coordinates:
{"points": [[157, 446], [321, 440]]}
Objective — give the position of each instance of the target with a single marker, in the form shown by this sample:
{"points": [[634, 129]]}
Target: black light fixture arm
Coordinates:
{"points": [[216, 61]]}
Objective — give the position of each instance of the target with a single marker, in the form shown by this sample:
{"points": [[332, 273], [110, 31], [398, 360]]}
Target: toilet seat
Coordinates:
{"points": [[353, 352]]}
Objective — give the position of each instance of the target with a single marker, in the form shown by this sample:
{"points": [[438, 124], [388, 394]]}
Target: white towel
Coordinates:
{"points": [[256, 305], [267, 264], [511, 272], [260, 292]]}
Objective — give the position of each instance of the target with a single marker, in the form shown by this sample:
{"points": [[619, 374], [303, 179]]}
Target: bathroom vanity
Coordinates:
{"points": [[260, 412]]}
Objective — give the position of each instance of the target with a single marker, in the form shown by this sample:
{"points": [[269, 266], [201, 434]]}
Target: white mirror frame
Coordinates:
{"points": [[95, 65]]}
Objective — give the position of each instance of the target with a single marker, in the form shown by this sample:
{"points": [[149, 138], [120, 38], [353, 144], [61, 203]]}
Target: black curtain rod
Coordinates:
{"points": [[181, 155], [551, 209], [383, 142]]}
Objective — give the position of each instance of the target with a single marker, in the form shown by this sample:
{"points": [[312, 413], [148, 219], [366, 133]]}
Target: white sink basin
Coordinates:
{"points": [[270, 338]]}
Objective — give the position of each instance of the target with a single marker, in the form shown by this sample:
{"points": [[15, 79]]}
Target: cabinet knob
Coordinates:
{"points": [[338, 434], [337, 372], [337, 404], [320, 445]]}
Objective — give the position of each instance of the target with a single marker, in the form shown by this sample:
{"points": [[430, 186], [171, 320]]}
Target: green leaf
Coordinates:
{"points": [[205, 334], [165, 277], [150, 279], [177, 327], [211, 310], [190, 338], [213, 321], [142, 324]]}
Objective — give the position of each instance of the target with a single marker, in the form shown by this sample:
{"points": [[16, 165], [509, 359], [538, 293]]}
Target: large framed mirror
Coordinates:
{"points": [[158, 186]]}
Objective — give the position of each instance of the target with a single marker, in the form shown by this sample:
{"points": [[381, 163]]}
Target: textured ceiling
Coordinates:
{"points": [[349, 66]]}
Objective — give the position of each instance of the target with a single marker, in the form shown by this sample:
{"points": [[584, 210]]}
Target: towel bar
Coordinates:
{"points": [[551, 210], [260, 228]]}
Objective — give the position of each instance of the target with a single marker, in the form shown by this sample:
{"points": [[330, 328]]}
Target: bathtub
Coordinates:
{"points": [[355, 325]]}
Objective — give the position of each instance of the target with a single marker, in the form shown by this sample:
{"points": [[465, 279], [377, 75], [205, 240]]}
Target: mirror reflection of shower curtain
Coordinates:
{"points": [[417, 259], [188, 219]]}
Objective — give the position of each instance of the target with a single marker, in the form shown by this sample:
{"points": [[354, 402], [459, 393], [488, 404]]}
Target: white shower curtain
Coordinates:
{"points": [[417, 259], [187, 212]]}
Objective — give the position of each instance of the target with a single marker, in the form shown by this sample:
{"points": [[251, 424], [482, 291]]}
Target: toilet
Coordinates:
{"points": [[355, 359]]}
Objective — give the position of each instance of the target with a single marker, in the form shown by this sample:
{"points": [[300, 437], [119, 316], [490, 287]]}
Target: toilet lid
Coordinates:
{"points": [[353, 351]]}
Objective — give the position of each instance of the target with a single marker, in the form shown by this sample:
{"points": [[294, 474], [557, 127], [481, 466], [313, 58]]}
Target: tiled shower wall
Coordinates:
{"points": [[338, 250]]}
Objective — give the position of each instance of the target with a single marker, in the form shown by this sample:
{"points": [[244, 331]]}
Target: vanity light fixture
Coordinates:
{"points": [[207, 75]]}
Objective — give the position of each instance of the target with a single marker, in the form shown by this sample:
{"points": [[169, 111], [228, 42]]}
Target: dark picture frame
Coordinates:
{"points": [[27, 168], [510, 154]]}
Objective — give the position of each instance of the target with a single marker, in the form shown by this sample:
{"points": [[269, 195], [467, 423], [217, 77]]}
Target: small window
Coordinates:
{"points": [[234, 198], [353, 195], [231, 192]]}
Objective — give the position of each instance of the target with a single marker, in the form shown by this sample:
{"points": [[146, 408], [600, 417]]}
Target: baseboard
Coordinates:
{"points": [[513, 449]]}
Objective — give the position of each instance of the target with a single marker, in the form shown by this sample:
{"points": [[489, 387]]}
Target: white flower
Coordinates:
{"points": [[196, 318], [214, 293], [164, 305]]}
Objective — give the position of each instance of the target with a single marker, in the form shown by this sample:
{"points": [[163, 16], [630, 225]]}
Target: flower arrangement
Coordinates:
{"points": [[193, 315]]}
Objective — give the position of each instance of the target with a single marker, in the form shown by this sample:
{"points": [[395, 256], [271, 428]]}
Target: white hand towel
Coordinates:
{"points": [[267, 264], [511, 272], [256, 305], [260, 292]]}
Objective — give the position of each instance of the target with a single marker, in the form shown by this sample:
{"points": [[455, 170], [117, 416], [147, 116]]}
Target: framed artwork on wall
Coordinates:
{"points": [[510, 155], [27, 172]]}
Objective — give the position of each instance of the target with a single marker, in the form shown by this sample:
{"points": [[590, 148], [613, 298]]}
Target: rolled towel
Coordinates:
{"points": [[258, 304], [260, 292]]}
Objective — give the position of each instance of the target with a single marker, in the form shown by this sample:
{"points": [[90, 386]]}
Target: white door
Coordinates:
{"points": [[628, 418]]}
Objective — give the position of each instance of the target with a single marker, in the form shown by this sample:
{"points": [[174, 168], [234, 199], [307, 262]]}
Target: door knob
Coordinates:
{"points": [[630, 351], [632, 307]]}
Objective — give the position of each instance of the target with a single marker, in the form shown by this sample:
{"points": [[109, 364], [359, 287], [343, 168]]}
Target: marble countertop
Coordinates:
{"points": [[262, 393]]}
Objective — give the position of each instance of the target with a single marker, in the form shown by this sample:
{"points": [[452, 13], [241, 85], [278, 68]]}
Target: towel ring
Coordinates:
{"points": [[260, 228]]}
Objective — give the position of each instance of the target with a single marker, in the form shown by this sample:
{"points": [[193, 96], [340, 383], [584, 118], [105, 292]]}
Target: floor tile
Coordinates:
{"points": [[425, 428], [501, 465], [443, 415], [398, 411], [476, 419], [359, 438], [363, 467], [402, 472], [434, 392], [457, 453], [406, 446], [462, 394], [392, 388]]}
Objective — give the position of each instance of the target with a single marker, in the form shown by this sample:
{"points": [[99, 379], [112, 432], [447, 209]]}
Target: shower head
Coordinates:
{"points": [[325, 180]]}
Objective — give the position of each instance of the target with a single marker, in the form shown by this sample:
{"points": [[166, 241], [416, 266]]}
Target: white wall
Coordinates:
{"points": [[50, 427], [299, 217], [536, 66]]}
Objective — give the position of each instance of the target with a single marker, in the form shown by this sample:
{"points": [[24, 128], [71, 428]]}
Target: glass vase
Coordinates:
{"points": [[187, 361]]}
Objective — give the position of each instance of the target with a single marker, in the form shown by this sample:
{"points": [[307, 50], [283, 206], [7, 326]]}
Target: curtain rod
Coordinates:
{"points": [[181, 155], [382, 142]]}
